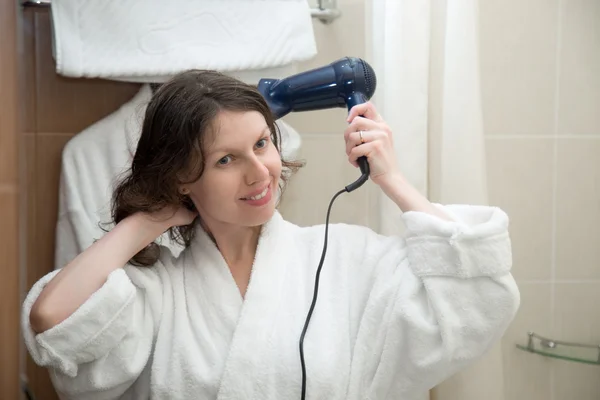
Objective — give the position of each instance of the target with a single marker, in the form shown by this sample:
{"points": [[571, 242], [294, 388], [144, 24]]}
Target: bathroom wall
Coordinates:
{"points": [[52, 109], [540, 62], [10, 195]]}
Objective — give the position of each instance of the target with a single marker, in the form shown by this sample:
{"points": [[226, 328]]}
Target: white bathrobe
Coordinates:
{"points": [[395, 316]]}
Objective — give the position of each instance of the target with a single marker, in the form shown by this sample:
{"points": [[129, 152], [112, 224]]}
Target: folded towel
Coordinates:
{"points": [[92, 163], [151, 40]]}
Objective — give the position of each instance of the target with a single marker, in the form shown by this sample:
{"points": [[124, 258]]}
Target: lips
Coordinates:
{"points": [[261, 199], [257, 194]]}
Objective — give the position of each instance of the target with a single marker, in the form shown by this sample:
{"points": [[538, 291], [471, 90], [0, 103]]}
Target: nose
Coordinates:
{"points": [[256, 171]]}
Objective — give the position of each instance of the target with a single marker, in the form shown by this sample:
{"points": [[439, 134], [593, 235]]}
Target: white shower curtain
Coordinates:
{"points": [[426, 57], [399, 53]]}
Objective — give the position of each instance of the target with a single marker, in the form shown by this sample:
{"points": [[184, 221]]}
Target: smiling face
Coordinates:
{"points": [[238, 187], [204, 144]]}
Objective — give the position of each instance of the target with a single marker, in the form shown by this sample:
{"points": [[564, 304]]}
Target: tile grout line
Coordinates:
{"points": [[534, 136]]}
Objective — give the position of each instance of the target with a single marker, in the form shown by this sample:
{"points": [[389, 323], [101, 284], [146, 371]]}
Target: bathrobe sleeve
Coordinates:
{"points": [[434, 301], [102, 348]]}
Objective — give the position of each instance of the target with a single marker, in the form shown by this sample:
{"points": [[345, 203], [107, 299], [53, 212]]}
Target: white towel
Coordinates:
{"points": [[151, 40], [94, 160]]}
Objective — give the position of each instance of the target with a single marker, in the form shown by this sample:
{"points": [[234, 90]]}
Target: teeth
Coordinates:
{"points": [[260, 196]]}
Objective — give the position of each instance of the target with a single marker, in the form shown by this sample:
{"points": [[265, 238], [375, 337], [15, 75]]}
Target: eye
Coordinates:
{"points": [[224, 161], [261, 143]]}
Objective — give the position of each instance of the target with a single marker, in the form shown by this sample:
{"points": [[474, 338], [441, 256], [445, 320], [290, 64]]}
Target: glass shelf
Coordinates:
{"points": [[576, 352]]}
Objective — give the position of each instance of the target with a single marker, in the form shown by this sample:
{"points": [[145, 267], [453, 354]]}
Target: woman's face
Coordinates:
{"points": [[238, 187]]}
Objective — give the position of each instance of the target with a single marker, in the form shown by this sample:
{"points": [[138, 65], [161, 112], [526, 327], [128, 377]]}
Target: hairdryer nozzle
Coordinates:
{"points": [[343, 83]]}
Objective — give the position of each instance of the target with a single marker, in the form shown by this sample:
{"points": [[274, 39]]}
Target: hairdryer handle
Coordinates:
{"points": [[352, 100], [363, 164]]}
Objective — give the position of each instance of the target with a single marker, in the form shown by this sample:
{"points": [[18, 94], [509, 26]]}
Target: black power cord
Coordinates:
{"points": [[316, 292], [364, 167]]}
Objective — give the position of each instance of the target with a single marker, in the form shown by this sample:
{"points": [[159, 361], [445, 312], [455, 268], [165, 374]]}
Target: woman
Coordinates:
{"points": [[395, 317]]}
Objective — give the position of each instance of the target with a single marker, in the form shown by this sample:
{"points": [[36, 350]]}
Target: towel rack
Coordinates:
{"points": [[326, 10]]}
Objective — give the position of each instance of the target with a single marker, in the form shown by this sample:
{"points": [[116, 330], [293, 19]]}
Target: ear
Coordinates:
{"points": [[184, 190]]}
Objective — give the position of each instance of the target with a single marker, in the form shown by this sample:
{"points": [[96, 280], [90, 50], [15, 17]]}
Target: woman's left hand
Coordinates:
{"points": [[368, 135]]}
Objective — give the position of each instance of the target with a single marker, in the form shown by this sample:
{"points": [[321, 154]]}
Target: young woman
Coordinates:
{"points": [[395, 316]]}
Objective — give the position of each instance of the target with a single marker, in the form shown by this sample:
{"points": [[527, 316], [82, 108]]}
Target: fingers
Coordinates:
{"points": [[376, 137], [353, 139], [361, 124], [366, 110], [365, 149], [371, 130]]}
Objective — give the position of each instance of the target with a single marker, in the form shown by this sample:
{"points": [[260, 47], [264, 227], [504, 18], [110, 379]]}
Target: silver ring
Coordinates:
{"points": [[360, 134]]}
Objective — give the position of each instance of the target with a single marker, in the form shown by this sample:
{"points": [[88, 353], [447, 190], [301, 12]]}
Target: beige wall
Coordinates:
{"points": [[540, 69], [540, 63]]}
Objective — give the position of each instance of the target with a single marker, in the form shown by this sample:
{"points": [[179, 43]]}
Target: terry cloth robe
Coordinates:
{"points": [[395, 315]]}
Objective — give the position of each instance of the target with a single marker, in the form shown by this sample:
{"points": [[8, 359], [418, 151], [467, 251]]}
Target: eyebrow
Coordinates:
{"points": [[229, 150]]}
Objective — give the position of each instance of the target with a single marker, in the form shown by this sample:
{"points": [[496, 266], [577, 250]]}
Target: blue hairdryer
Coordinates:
{"points": [[343, 83]]}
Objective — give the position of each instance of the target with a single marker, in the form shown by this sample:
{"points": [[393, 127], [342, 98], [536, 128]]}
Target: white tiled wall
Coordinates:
{"points": [[540, 62], [540, 70]]}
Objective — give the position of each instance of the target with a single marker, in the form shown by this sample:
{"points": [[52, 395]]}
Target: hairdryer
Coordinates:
{"points": [[343, 83]]}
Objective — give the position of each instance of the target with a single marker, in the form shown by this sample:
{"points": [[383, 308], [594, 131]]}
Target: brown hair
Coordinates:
{"points": [[171, 146]]}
